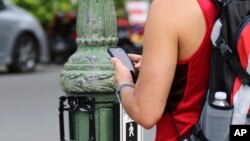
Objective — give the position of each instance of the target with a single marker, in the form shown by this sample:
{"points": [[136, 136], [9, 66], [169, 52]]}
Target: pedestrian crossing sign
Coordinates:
{"points": [[130, 130]]}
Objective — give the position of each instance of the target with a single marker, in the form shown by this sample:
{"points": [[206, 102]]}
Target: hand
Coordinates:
{"points": [[136, 59], [122, 73]]}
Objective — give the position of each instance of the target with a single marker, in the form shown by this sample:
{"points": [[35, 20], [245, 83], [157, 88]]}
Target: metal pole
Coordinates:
{"points": [[89, 70]]}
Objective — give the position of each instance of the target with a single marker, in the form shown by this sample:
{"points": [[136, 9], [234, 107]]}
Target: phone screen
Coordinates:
{"points": [[122, 56]]}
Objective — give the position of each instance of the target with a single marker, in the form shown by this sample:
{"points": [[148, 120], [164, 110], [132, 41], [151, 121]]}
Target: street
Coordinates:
{"points": [[29, 105]]}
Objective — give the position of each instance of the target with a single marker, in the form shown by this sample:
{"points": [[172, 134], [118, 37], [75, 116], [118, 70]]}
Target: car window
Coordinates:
{"points": [[2, 6]]}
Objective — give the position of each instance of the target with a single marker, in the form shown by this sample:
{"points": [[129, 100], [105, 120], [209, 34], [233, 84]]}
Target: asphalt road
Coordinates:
{"points": [[29, 105]]}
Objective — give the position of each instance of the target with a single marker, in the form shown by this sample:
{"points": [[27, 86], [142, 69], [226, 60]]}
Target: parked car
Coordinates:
{"points": [[23, 42]]}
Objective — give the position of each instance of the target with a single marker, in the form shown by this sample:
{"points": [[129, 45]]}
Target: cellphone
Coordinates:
{"points": [[119, 53]]}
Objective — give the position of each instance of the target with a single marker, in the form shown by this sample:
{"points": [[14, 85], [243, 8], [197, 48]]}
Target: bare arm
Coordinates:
{"points": [[146, 102]]}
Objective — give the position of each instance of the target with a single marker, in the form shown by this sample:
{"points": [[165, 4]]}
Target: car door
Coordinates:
{"points": [[7, 23]]}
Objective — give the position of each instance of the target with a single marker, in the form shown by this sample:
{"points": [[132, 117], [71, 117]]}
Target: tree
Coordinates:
{"points": [[119, 5], [44, 10]]}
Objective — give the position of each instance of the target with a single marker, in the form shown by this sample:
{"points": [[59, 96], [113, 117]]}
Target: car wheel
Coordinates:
{"points": [[25, 54]]}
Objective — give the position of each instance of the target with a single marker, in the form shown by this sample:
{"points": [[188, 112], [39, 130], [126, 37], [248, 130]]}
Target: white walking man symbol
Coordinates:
{"points": [[131, 130]]}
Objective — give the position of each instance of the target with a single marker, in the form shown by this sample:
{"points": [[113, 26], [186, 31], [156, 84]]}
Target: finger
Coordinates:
{"points": [[138, 65], [115, 61], [134, 57]]}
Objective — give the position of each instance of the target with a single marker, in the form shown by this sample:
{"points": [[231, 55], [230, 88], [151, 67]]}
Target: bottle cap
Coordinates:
{"points": [[220, 95]]}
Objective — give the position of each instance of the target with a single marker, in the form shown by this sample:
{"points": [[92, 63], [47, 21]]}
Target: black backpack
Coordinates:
{"points": [[230, 69]]}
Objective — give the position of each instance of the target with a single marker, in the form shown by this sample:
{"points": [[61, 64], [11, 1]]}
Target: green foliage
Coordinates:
{"points": [[119, 3], [119, 6], [45, 9]]}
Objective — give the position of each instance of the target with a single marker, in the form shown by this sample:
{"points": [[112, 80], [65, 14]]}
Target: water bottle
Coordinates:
{"points": [[221, 99]]}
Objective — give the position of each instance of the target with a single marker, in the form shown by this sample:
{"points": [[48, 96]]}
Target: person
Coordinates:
{"points": [[173, 69]]}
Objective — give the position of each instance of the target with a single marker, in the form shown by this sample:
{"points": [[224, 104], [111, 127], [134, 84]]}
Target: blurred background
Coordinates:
{"points": [[36, 39]]}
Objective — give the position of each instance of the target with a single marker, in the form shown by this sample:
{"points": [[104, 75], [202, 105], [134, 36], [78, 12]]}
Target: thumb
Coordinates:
{"points": [[115, 61]]}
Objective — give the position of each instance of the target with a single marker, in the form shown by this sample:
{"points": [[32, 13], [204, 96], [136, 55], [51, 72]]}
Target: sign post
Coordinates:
{"points": [[130, 130], [127, 129]]}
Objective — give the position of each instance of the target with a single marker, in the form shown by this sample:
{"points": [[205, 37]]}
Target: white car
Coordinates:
{"points": [[23, 42]]}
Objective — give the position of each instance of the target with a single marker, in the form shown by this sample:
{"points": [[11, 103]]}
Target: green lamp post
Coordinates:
{"points": [[89, 72]]}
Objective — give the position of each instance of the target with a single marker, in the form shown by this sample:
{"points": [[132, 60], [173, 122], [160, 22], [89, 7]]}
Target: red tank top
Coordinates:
{"points": [[189, 85]]}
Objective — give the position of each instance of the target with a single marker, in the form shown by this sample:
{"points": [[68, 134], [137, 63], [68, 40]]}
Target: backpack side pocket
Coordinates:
{"points": [[215, 121]]}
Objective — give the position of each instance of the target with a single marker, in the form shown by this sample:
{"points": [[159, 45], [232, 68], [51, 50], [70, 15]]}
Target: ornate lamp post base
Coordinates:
{"points": [[91, 73], [87, 78]]}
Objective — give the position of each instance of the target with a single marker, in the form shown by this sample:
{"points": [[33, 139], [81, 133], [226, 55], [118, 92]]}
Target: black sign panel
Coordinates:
{"points": [[131, 131]]}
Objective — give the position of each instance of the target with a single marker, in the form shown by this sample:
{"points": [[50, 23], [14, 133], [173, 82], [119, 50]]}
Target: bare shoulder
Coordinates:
{"points": [[175, 12], [179, 19], [165, 12]]}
